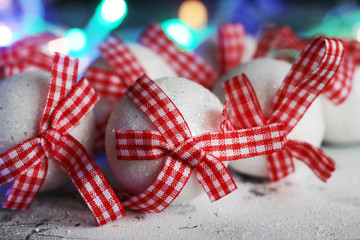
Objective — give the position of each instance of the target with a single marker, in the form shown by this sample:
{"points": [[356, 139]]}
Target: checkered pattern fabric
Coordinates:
{"points": [[276, 39], [340, 86], [184, 63], [109, 85], [230, 46], [25, 53], [309, 76], [112, 84], [121, 59], [203, 154], [26, 164]]}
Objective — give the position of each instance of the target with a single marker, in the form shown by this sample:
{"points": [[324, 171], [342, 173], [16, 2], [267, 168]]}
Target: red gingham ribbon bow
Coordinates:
{"points": [[24, 53], [204, 153], [26, 164], [186, 64], [307, 78], [284, 38], [230, 43]]}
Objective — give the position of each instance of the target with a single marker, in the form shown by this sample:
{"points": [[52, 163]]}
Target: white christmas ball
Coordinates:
{"points": [[152, 63], [201, 110], [208, 51], [22, 102], [266, 76], [342, 121]]}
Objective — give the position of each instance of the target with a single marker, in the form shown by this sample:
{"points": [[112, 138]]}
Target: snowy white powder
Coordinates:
{"points": [[202, 112], [266, 76], [22, 101]]}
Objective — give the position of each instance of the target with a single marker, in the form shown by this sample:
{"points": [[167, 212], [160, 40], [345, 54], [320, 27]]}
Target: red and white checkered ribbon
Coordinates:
{"points": [[309, 76], [284, 38], [112, 84], [26, 164], [278, 38], [184, 153], [25, 53], [184, 63], [230, 46]]}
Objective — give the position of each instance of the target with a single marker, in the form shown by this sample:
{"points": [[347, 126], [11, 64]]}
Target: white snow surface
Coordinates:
{"points": [[299, 207]]}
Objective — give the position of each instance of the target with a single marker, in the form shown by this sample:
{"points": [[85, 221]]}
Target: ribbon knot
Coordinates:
{"points": [[307, 78], [26, 164], [188, 153], [49, 140], [183, 152]]}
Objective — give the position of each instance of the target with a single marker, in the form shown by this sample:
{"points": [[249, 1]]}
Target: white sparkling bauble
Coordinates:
{"points": [[201, 110], [22, 102], [342, 121], [266, 76], [208, 51], [152, 63]]}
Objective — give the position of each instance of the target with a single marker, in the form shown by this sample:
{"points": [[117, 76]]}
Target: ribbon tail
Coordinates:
{"points": [[214, 178], [26, 186], [314, 158], [19, 159], [89, 180], [164, 190], [280, 164]]}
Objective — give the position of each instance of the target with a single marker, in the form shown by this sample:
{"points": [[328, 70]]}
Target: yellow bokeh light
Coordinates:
{"points": [[193, 13]]}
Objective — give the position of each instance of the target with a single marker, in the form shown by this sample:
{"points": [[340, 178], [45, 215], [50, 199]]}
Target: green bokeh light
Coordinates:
{"points": [[113, 10], [77, 39], [180, 33]]}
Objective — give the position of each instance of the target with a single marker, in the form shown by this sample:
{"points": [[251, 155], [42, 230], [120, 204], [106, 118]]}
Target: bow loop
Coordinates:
{"points": [[243, 102], [284, 38], [185, 64], [78, 104], [63, 77], [307, 78]]}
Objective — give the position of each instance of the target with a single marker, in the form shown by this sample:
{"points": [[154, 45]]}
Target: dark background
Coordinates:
{"points": [[300, 14]]}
